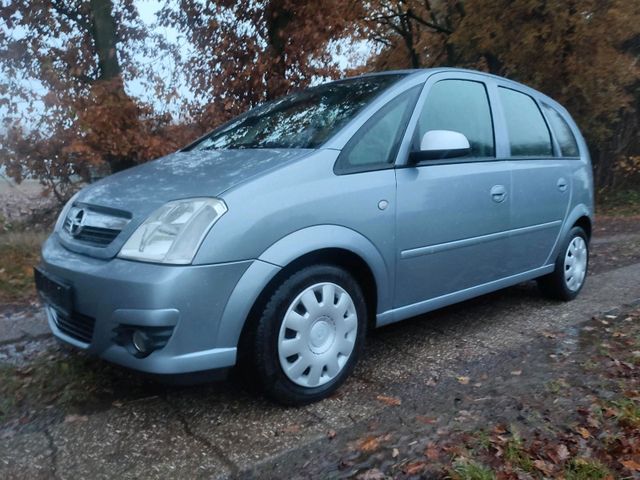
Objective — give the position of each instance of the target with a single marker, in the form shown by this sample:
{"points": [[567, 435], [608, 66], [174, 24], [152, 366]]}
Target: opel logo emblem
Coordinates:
{"points": [[77, 223]]}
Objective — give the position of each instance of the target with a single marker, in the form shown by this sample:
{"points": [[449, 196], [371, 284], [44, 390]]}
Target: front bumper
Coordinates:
{"points": [[188, 302]]}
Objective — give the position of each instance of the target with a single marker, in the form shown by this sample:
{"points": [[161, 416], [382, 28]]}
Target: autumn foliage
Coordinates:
{"points": [[67, 66]]}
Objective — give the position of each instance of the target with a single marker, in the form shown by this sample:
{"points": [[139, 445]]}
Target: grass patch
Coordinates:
{"points": [[514, 452], [19, 253], [628, 412], [619, 203], [583, 469], [464, 469]]}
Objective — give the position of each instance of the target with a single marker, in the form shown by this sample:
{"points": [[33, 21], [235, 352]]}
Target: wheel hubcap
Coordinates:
{"points": [[317, 335], [575, 263]]}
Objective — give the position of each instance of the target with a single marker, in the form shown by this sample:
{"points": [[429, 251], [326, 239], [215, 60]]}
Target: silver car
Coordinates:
{"points": [[276, 241]]}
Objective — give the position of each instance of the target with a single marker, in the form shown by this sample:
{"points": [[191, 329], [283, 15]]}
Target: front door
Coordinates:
{"points": [[453, 216]]}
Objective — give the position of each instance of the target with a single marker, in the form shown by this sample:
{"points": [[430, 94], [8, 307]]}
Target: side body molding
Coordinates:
{"points": [[288, 249]]}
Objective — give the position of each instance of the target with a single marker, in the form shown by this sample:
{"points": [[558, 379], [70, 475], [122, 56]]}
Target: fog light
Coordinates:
{"points": [[141, 342]]}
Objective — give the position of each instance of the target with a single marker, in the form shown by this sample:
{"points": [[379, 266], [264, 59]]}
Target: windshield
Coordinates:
{"points": [[302, 120]]}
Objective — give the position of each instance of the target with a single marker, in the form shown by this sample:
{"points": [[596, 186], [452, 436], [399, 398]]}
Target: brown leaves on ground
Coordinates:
{"points": [[371, 443], [584, 436], [631, 465], [414, 468], [391, 401]]}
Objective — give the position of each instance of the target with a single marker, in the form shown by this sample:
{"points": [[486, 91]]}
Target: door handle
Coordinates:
{"points": [[498, 193], [562, 184]]}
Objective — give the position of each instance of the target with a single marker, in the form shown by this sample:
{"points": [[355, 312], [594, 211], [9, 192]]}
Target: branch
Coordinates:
{"points": [[70, 14], [434, 26]]}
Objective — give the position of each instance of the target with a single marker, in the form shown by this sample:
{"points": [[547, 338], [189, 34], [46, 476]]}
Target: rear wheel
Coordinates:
{"points": [[566, 281], [310, 334]]}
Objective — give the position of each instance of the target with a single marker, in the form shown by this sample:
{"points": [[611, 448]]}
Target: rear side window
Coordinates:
{"points": [[528, 132], [376, 144], [461, 106], [562, 132]]}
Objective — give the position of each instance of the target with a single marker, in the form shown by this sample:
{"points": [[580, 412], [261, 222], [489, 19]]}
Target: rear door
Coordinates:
{"points": [[541, 181], [453, 215]]}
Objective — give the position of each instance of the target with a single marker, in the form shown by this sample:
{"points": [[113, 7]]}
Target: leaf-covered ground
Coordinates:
{"points": [[567, 407]]}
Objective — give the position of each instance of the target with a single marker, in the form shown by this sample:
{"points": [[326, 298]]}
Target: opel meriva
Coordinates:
{"points": [[279, 238]]}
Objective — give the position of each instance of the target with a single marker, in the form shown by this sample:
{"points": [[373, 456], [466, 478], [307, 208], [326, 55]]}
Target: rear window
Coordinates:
{"points": [[302, 120], [562, 132], [528, 132]]}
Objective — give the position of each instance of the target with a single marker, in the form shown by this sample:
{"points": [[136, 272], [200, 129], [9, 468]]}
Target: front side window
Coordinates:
{"points": [[562, 132], [376, 144], [302, 120], [528, 132], [461, 106]]}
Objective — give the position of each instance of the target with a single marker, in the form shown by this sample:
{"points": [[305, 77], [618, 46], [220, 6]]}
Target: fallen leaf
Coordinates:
{"points": [[584, 433], [414, 468], [563, 452], [631, 465], [368, 444], [548, 334], [75, 418], [427, 420], [295, 428], [392, 401], [373, 474], [394, 453], [544, 467], [331, 434], [463, 380], [516, 372], [432, 452], [499, 429]]}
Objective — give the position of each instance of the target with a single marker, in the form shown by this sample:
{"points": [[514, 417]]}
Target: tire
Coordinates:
{"points": [[287, 332], [562, 283]]}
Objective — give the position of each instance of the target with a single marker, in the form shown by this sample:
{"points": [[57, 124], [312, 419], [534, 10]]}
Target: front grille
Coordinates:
{"points": [[94, 227], [76, 325], [94, 235]]}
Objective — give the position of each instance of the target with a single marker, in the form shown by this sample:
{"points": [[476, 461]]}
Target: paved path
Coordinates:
{"points": [[222, 431]]}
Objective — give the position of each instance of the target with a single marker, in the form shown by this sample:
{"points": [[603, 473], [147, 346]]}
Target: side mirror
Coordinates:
{"points": [[441, 144]]}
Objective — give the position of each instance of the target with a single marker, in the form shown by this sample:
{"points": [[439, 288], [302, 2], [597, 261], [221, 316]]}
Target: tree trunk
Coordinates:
{"points": [[277, 19], [105, 38]]}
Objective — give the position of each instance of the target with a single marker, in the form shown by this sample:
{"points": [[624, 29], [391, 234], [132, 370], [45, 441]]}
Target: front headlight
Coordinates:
{"points": [[64, 212], [174, 232]]}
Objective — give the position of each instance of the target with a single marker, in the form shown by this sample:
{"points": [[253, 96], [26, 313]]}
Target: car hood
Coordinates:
{"points": [[204, 173], [129, 197]]}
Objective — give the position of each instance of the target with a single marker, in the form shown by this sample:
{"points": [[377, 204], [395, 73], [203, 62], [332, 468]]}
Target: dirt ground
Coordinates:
{"points": [[499, 386]]}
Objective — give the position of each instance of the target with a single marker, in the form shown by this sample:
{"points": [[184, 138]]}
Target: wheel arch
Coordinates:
{"points": [[580, 216], [328, 244]]}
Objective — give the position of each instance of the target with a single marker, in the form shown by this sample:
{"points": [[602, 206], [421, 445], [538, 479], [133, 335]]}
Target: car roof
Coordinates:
{"points": [[410, 72]]}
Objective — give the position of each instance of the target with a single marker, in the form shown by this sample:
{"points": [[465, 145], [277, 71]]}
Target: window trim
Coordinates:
{"points": [[415, 141], [544, 119], [544, 105]]}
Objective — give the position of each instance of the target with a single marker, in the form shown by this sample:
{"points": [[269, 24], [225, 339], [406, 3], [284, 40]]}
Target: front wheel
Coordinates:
{"points": [[570, 272], [310, 334]]}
